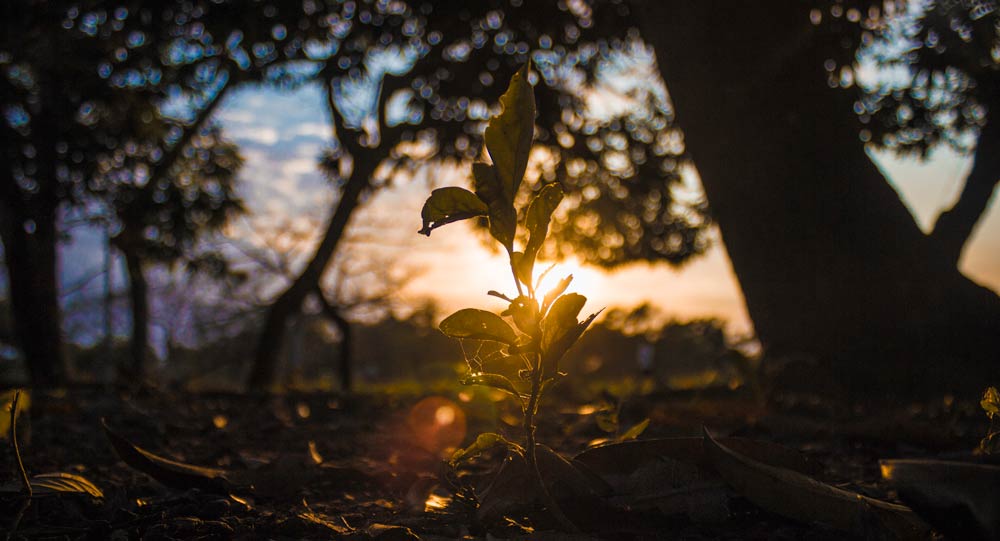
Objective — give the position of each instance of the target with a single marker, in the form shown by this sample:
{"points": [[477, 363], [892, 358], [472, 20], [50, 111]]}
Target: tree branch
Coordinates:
{"points": [[170, 156], [954, 226]]}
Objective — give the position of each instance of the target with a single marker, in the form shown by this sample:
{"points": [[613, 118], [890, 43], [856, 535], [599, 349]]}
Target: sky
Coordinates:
{"points": [[281, 134]]}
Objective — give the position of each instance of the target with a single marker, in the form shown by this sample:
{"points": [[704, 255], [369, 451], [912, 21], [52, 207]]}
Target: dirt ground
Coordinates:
{"points": [[370, 466]]}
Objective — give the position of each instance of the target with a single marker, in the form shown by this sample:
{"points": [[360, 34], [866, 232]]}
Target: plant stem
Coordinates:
{"points": [[517, 282], [530, 454]]}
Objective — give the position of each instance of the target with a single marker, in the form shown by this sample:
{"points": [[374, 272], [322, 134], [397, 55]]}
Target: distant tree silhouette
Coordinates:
{"points": [[162, 220], [84, 128], [829, 259]]}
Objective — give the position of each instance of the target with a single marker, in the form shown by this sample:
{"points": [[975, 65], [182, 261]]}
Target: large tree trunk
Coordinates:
{"points": [[139, 297], [830, 261], [288, 303]]}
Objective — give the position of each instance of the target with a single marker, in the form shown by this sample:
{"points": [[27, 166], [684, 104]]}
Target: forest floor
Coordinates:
{"points": [[370, 466]]}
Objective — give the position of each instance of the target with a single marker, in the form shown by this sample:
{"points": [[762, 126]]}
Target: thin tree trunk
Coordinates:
{"points": [[344, 357], [954, 226], [139, 297], [109, 329], [272, 335], [364, 161]]}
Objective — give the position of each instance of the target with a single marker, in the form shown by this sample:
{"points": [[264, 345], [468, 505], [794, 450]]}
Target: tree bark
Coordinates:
{"points": [[139, 297], [955, 226], [830, 261]]}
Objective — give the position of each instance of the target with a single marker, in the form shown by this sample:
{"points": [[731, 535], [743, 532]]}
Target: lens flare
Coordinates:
{"points": [[437, 424]]}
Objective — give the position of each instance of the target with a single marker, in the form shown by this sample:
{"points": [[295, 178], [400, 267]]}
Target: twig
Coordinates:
{"points": [[13, 441]]}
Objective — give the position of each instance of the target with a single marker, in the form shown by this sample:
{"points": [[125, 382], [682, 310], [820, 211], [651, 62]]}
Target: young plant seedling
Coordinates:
{"points": [[535, 330]]}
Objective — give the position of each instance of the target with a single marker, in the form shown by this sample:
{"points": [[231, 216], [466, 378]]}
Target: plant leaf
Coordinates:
{"points": [[522, 268], [171, 473], [6, 402], [556, 291], [451, 204], [508, 135], [959, 499], [991, 402], [478, 325], [497, 381], [486, 184], [524, 311], [802, 498], [62, 483], [561, 318], [550, 381], [54, 483], [537, 221], [559, 347], [484, 442], [636, 430], [503, 224], [622, 458], [503, 219]]}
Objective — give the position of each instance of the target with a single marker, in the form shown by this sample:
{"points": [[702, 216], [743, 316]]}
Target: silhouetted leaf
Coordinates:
{"points": [[561, 318], [478, 325], [562, 330], [522, 268], [556, 291], [552, 356], [805, 499], [508, 135], [537, 221], [486, 184], [503, 224], [171, 473], [496, 381], [451, 204], [959, 499]]}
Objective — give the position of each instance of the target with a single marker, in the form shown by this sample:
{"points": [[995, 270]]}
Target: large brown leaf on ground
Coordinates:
{"points": [[802, 498], [960, 499]]}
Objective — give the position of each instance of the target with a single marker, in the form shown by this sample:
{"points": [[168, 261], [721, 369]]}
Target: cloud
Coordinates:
{"points": [[309, 129], [263, 135], [237, 116], [299, 167]]}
